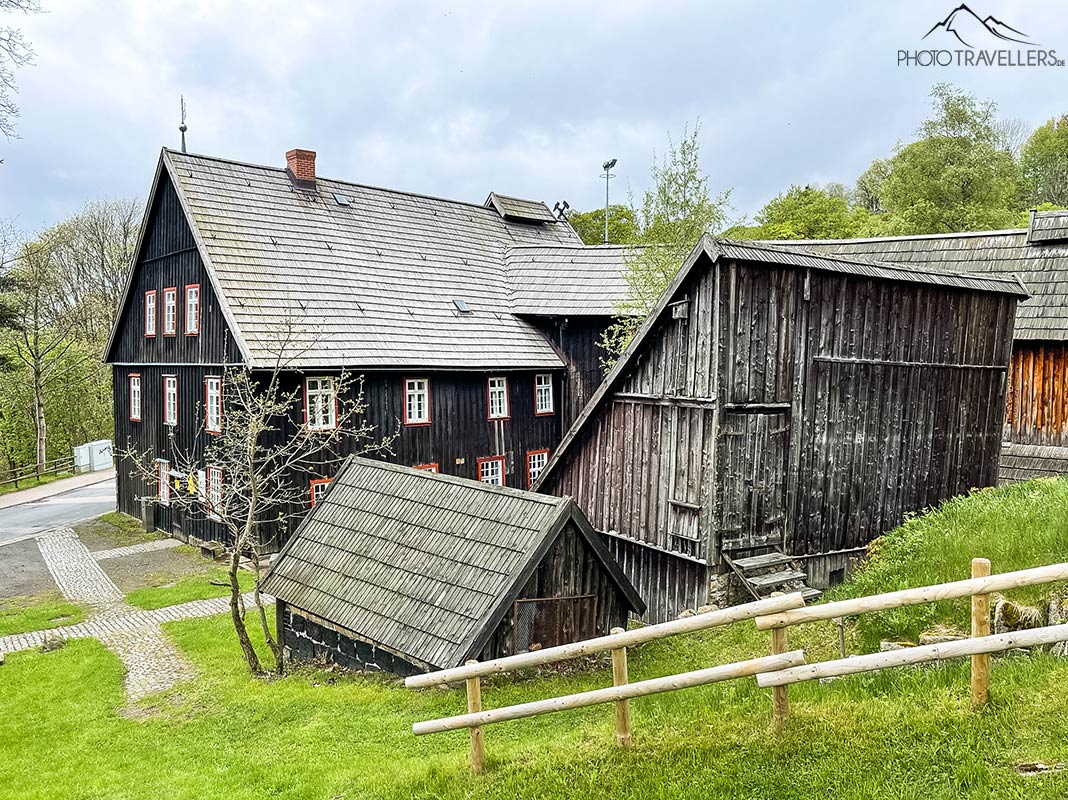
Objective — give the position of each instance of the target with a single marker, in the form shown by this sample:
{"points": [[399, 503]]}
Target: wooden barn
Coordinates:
{"points": [[780, 409], [445, 308], [405, 571], [1035, 436]]}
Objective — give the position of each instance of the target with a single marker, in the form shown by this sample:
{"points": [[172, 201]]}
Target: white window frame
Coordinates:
{"points": [[534, 472], [417, 401], [492, 476], [163, 481], [136, 400], [192, 320], [170, 311], [497, 389], [150, 313], [170, 393], [213, 491], [317, 487], [319, 416], [543, 390], [213, 404]]}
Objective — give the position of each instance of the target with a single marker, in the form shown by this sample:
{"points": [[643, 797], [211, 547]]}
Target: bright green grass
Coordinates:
{"points": [[907, 733], [29, 483], [169, 591], [25, 614], [1017, 526]]}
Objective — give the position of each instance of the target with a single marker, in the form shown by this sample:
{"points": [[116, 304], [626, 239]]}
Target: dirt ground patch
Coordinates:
{"points": [[23, 571], [155, 568], [111, 530]]}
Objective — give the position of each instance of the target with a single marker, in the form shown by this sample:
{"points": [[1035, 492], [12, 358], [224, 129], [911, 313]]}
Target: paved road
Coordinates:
{"points": [[30, 518]]}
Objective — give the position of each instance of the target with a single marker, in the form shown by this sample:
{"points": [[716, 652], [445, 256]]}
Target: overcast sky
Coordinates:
{"points": [[457, 99]]}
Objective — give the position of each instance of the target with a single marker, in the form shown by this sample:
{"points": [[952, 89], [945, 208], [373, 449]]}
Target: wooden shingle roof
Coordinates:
{"points": [[518, 208], [566, 280], [365, 277], [1037, 256], [423, 565]]}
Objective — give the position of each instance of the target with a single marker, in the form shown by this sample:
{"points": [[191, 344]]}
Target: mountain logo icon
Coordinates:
{"points": [[970, 29]]}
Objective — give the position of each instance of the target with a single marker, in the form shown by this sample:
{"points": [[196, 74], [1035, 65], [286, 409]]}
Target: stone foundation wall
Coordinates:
{"points": [[305, 640]]}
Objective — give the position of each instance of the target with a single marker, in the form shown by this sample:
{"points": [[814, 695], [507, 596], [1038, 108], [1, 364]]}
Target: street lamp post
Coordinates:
{"points": [[607, 177]]}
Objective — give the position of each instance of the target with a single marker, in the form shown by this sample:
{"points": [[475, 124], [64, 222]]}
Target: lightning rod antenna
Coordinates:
{"points": [[183, 128]]}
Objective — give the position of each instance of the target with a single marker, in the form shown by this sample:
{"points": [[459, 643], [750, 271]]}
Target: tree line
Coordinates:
{"points": [[967, 169], [59, 291]]}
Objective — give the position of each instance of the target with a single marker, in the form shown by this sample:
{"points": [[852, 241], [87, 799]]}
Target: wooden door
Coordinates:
{"points": [[752, 480]]}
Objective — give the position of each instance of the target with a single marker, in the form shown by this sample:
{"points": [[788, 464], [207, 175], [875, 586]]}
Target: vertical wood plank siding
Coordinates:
{"points": [[576, 339], [808, 409], [1037, 406]]}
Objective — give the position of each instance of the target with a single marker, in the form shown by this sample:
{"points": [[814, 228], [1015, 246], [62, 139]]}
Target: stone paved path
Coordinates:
{"points": [[153, 663]]}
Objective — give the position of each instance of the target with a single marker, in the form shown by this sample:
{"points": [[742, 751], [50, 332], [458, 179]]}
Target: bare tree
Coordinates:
{"points": [[15, 52], [252, 477]]}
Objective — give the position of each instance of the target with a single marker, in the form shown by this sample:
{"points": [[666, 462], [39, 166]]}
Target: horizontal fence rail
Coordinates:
{"points": [[908, 597], [53, 467], [601, 644], [1033, 637], [684, 680]]}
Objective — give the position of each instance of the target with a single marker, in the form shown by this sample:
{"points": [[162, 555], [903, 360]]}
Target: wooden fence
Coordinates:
{"points": [[978, 588], [621, 692], [776, 671], [53, 467]]}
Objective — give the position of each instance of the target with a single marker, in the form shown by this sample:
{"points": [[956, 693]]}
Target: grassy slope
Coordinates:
{"points": [[29, 483], [902, 734], [171, 591]]}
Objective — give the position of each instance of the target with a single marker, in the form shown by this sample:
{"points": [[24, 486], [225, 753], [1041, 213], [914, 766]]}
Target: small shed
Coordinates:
{"points": [[405, 571]]}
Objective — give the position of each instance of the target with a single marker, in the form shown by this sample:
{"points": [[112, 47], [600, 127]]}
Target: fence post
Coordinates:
{"points": [[474, 703], [980, 627], [780, 699], [619, 678]]}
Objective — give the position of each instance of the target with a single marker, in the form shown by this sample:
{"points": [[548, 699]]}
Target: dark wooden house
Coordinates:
{"points": [[405, 571], [1035, 435], [249, 265], [780, 409]]}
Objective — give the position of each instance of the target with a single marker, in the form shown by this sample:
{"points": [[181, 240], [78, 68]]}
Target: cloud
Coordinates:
{"points": [[456, 101]]}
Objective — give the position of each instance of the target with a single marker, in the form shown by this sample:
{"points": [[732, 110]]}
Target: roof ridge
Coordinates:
{"points": [[342, 181], [899, 238]]}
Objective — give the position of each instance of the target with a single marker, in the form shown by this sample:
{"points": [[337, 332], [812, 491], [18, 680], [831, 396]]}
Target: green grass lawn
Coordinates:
{"points": [[906, 733], [169, 591], [29, 483], [25, 614]]}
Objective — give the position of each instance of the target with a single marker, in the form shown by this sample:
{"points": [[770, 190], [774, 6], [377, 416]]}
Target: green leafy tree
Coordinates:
{"points": [[589, 225], [674, 214], [806, 213], [1044, 164], [958, 176]]}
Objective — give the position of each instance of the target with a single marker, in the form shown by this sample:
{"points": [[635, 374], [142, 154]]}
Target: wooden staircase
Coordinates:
{"points": [[763, 574]]}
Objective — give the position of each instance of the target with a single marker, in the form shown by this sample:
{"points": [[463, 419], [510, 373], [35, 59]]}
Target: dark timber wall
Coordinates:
{"points": [[777, 406], [576, 339]]}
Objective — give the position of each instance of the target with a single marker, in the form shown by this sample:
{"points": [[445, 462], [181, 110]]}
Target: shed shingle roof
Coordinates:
{"points": [[566, 280], [1042, 267], [416, 562], [368, 284]]}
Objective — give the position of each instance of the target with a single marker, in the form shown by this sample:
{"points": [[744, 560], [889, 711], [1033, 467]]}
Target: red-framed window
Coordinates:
{"points": [[544, 401], [416, 401], [213, 404], [135, 396], [317, 488], [431, 467], [536, 461], [192, 309], [320, 404], [491, 470], [213, 493], [150, 313], [170, 312], [163, 481], [497, 398], [170, 399]]}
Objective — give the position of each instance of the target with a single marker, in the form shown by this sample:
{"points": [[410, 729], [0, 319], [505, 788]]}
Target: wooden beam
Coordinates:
{"points": [[980, 628], [916, 655], [619, 678], [780, 699], [883, 362], [923, 594], [474, 705], [685, 680], [602, 644]]}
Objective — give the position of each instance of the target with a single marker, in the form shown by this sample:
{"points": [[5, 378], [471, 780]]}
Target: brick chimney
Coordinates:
{"points": [[301, 167]]}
